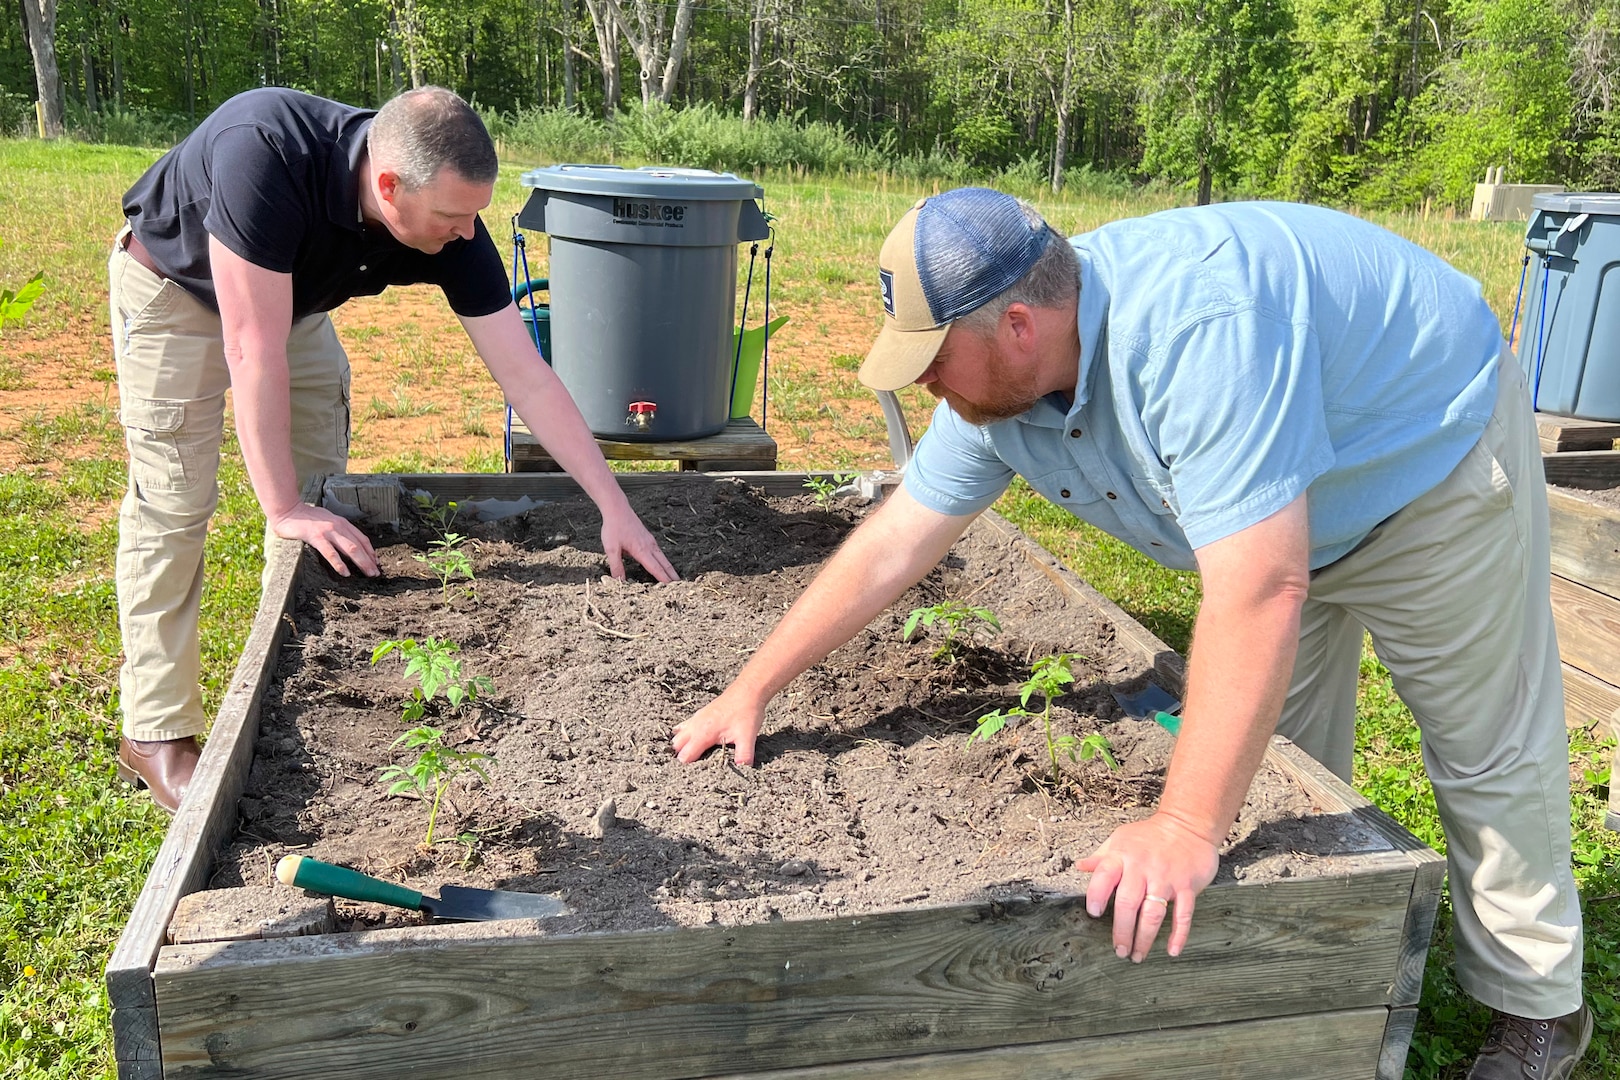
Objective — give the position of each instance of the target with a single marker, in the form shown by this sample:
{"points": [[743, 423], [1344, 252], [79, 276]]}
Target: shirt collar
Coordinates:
{"points": [[346, 178], [1092, 314]]}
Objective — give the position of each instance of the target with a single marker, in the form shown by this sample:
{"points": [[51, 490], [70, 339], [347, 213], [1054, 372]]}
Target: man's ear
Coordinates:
{"points": [[1019, 321], [388, 185]]}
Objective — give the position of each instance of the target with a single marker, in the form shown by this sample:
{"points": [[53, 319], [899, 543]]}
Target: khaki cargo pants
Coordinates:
{"points": [[172, 380], [1454, 591]]}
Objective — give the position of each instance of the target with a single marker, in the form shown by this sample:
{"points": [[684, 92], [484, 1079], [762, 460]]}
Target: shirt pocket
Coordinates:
{"points": [[1159, 496], [1063, 487]]}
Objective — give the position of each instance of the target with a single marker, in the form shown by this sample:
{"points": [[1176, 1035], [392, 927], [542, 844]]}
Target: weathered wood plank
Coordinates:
{"points": [[558, 485], [1397, 1041], [742, 441], [205, 818], [1583, 468], [1588, 629], [498, 999], [1590, 702], [1334, 796], [1585, 541], [1561, 433], [247, 912], [1322, 1046]]}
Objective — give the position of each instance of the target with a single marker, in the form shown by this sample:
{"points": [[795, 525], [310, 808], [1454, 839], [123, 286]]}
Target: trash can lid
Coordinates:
{"points": [[1578, 202], [647, 182]]}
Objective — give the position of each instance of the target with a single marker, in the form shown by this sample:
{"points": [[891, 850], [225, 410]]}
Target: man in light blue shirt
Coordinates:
{"points": [[1317, 416]]}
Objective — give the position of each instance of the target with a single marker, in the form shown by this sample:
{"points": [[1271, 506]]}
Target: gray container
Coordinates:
{"points": [[1568, 338], [644, 292]]}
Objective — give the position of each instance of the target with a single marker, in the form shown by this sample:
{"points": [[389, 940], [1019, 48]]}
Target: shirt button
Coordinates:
{"points": [[1111, 495], [362, 268], [1074, 433], [1164, 503], [1064, 493]]}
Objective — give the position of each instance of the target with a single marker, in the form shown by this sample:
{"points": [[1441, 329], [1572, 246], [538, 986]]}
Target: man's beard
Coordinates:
{"points": [[1007, 404]]}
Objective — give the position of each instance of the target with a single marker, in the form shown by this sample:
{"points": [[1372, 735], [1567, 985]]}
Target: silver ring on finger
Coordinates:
{"points": [[1151, 899]]}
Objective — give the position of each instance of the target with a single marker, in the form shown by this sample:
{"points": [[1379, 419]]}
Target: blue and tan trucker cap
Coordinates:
{"points": [[949, 254]]}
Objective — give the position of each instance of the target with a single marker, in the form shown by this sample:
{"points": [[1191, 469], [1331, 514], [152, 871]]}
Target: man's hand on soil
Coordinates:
{"points": [[337, 540], [1151, 868], [626, 535], [719, 723]]}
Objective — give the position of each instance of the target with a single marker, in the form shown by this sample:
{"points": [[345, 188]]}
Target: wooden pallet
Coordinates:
{"points": [[1561, 433], [741, 447], [1586, 574], [1026, 987]]}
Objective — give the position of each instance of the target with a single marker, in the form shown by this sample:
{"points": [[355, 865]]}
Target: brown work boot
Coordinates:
{"points": [[164, 765], [1517, 1048]]}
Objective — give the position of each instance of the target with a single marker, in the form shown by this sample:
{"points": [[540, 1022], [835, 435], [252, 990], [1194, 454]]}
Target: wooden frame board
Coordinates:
{"points": [[1009, 988]]}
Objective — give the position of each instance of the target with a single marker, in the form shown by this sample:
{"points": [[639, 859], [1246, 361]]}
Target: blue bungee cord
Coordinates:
{"points": [[1513, 327], [742, 332], [1541, 334], [520, 250]]}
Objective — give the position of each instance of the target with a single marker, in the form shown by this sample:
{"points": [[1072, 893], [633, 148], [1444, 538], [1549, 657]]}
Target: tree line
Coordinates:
{"points": [[1377, 102]]}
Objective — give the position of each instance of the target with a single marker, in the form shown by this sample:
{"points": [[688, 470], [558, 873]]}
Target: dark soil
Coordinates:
{"points": [[866, 794]]}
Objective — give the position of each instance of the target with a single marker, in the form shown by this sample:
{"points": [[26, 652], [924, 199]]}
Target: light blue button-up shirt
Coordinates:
{"points": [[1232, 357]]}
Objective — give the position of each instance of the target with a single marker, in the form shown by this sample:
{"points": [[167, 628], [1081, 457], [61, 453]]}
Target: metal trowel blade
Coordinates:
{"points": [[1145, 702], [460, 902]]}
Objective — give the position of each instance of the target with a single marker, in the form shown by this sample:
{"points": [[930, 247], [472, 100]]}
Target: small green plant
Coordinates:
{"points": [[824, 488], [441, 515], [1050, 675], [448, 560], [435, 767], [434, 666], [958, 619], [14, 305]]}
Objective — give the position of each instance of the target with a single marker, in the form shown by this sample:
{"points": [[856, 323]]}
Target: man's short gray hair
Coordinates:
{"points": [[1054, 281], [422, 131]]}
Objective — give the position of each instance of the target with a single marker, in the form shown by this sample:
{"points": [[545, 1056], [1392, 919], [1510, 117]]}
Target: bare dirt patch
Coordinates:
{"points": [[866, 794]]}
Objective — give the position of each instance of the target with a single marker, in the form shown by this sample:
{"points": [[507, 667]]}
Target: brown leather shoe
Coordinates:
{"points": [[1517, 1048], [164, 765]]}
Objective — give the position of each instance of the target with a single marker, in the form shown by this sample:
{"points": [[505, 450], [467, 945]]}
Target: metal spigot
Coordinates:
{"points": [[641, 415]]}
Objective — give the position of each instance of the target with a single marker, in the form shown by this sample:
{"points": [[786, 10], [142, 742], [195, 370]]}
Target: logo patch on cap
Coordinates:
{"points": [[886, 283]]}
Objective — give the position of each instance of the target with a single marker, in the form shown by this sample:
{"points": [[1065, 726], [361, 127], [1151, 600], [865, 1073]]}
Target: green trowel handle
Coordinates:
{"points": [[302, 872], [1172, 724]]}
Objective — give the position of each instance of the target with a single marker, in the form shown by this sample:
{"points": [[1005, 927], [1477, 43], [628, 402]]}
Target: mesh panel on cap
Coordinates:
{"points": [[972, 244]]}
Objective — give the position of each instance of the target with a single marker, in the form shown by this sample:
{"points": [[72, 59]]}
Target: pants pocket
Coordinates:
{"points": [[158, 455]]}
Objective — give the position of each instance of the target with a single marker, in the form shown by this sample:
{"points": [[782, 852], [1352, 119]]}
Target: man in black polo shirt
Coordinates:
{"points": [[276, 209]]}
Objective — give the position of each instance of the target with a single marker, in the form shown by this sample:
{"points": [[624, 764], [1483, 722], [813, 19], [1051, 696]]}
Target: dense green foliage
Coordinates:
{"points": [[1338, 100]]}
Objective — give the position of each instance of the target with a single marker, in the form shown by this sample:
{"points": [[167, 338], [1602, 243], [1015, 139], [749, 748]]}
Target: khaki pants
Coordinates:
{"points": [[1454, 591], [171, 384]]}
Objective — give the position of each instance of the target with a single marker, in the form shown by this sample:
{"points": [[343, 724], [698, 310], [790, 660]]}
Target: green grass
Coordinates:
{"points": [[75, 846]]}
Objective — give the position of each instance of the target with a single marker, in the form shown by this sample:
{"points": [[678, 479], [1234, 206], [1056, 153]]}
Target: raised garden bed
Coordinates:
{"points": [[876, 899]]}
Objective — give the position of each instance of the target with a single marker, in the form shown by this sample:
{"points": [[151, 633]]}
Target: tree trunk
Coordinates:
{"points": [[570, 76], [39, 20], [91, 101], [607, 45], [396, 75], [678, 39], [1205, 182], [756, 61]]}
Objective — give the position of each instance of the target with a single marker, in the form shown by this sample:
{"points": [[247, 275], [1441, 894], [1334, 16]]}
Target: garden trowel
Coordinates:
{"points": [[1152, 702], [453, 901]]}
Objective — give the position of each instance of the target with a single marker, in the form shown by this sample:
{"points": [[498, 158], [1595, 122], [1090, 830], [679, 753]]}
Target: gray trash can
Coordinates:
{"points": [[1568, 338], [643, 277]]}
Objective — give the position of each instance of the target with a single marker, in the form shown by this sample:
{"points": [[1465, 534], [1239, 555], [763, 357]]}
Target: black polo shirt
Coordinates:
{"points": [[273, 174]]}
